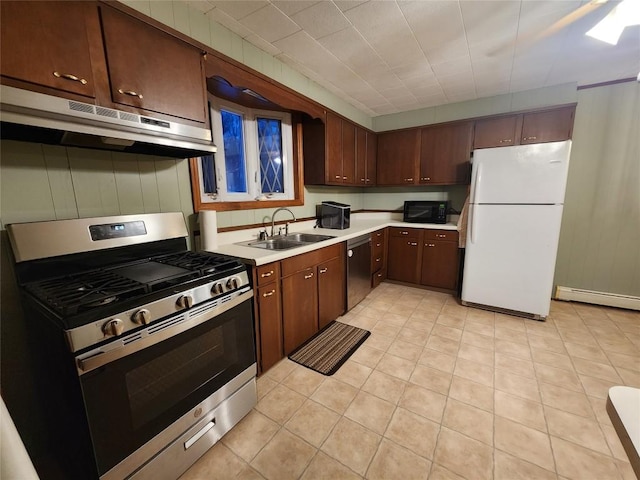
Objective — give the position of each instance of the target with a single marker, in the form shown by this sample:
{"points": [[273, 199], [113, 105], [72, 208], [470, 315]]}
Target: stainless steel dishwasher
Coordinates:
{"points": [[358, 269]]}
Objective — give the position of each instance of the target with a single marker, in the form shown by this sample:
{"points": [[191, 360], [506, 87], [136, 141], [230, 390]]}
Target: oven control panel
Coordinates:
{"points": [[117, 230]]}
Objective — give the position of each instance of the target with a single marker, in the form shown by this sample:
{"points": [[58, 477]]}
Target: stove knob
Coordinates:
{"points": [[217, 288], [233, 282], [113, 328], [141, 317], [185, 301]]}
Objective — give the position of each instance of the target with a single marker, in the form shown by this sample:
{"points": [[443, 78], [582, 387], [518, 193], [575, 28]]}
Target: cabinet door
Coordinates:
{"points": [[548, 126], [497, 132], [398, 157], [444, 154], [299, 308], [46, 43], [439, 264], [361, 156], [402, 262], [331, 291], [333, 132], [270, 324], [348, 153], [372, 154], [152, 70]]}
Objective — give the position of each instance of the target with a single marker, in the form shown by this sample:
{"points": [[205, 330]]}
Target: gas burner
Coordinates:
{"points": [[206, 263], [101, 301]]}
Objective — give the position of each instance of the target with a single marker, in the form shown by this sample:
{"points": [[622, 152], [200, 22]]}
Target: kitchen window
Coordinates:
{"points": [[255, 159]]}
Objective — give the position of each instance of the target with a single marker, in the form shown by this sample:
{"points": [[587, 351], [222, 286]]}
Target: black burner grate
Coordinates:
{"points": [[203, 262], [76, 293]]}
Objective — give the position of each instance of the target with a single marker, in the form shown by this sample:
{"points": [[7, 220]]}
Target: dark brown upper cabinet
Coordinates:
{"points": [[445, 151], [398, 154]]}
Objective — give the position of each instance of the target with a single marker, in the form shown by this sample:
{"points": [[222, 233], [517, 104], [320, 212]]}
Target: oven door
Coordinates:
{"points": [[184, 361]]}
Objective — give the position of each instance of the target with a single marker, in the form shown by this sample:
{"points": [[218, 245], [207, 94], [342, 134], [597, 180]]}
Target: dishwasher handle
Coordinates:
{"points": [[357, 242]]}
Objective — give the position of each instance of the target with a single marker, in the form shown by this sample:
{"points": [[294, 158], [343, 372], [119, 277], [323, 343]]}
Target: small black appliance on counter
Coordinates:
{"points": [[335, 215], [425, 211]]}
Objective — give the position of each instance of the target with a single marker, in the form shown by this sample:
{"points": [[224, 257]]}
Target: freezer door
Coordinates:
{"points": [[511, 255], [523, 174]]}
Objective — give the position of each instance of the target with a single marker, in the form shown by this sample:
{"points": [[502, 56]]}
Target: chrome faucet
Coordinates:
{"points": [[273, 220]]}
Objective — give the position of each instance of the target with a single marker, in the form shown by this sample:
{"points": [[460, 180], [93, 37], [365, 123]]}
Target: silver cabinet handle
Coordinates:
{"points": [[268, 274], [413, 244], [268, 294], [507, 140], [338, 177], [131, 93], [323, 270], [307, 277], [200, 434], [68, 76], [404, 233]]}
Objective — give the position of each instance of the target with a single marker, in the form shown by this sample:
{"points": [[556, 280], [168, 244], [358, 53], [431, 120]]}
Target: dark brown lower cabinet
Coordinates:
{"points": [[403, 255], [269, 311], [439, 264], [331, 290], [299, 308]]}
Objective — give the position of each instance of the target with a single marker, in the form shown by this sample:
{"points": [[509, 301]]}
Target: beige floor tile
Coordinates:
{"points": [[630, 362], [406, 350], [447, 332], [454, 310], [480, 328], [370, 412], [553, 359], [474, 371], [379, 342], [438, 472], [545, 343], [248, 437], [613, 440], [596, 387], [576, 462], [427, 314], [523, 442], [442, 344], [508, 467], [593, 353], [510, 322], [353, 373], [625, 470], [506, 333], [361, 321], [556, 376], [566, 400], [468, 420], [417, 337], [437, 360], [484, 317], [424, 402], [414, 432], [384, 386], [386, 330], [312, 422], [626, 347], [478, 340], [514, 365], [218, 461], [472, 393], [352, 445], [476, 354], [598, 370], [335, 395], [583, 337], [264, 385], [280, 404], [517, 385], [371, 312], [455, 322], [393, 461], [419, 324], [367, 356], [430, 378], [543, 329], [396, 366], [248, 473], [574, 428], [323, 467], [629, 377], [520, 410], [464, 456], [284, 457], [303, 380], [599, 406], [406, 308], [281, 370], [513, 349], [395, 317]]}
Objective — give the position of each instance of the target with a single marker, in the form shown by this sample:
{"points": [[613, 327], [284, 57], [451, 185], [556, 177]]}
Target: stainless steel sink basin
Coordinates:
{"points": [[285, 242]]}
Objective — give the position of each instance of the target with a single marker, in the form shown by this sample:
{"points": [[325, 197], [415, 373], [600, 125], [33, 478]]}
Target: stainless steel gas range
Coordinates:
{"points": [[144, 351]]}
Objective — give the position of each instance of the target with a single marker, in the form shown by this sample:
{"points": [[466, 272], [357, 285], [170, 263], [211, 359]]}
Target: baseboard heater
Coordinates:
{"points": [[599, 298]]}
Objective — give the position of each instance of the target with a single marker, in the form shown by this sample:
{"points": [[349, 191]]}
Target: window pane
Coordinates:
{"points": [[208, 174], [270, 148], [234, 152]]}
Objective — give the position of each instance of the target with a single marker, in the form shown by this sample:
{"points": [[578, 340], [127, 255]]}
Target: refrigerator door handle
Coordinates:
{"points": [[476, 182], [472, 222]]}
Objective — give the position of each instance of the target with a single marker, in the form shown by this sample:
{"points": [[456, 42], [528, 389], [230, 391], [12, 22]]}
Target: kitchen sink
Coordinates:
{"points": [[285, 242]]}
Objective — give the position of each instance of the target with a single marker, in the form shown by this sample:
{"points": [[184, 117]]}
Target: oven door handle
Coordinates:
{"points": [[100, 357]]}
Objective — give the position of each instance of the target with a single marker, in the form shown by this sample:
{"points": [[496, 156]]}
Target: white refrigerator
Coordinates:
{"points": [[515, 210]]}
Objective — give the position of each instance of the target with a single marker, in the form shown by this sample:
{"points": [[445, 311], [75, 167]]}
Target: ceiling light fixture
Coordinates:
{"points": [[609, 29]]}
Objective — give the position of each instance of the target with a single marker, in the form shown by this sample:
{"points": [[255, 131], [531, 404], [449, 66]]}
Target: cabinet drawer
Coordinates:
{"points": [[442, 235], [377, 278], [404, 232], [377, 262], [267, 273], [308, 260]]}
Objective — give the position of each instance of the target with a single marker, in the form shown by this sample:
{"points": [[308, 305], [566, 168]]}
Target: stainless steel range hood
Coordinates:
{"points": [[35, 117]]}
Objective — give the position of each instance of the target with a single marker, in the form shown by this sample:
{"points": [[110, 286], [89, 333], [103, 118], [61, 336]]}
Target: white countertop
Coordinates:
{"points": [[623, 407], [360, 224]]}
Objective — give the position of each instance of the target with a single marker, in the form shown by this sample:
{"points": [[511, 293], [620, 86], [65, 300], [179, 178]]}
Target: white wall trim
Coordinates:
{"points": [[599, 298]]}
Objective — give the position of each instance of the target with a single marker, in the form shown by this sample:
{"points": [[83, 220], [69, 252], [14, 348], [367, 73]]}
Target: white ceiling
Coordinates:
{"points": [[394, 55]]}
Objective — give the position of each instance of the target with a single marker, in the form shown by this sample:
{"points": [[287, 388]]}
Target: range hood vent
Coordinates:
{"points": [[35, 117]]}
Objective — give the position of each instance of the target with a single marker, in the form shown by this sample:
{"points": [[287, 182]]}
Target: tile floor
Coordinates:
{"points": [[442, 391]]}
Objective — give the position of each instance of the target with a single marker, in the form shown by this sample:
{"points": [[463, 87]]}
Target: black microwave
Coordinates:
{"points": [[425, 211]]}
